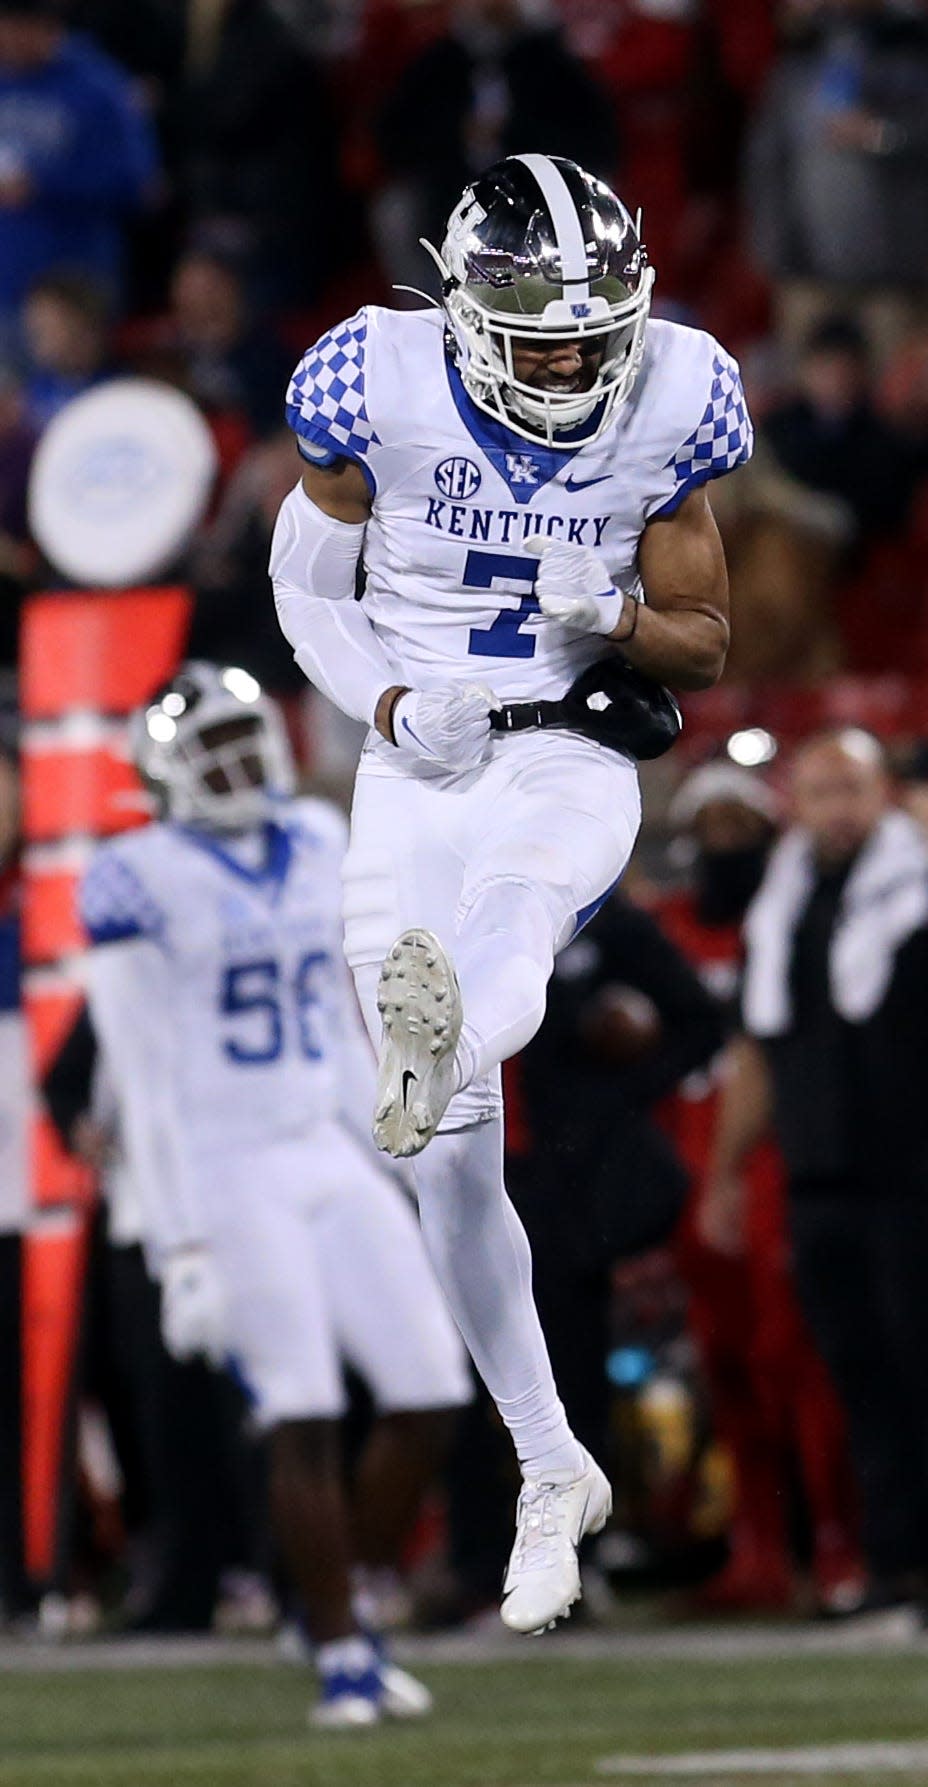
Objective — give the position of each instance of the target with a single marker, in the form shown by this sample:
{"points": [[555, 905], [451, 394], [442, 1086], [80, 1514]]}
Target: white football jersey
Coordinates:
{"points": [[449, 585], [259, 993]]}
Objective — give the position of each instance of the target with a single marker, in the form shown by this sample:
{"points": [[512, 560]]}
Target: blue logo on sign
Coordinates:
{"points": [[458, 478]]}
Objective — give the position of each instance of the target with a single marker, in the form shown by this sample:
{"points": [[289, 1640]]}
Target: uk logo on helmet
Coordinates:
{"points": [[458, 478]]}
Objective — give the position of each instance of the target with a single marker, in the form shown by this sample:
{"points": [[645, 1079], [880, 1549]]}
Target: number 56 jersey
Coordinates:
{"points": [[456, 495], [250, 967]]}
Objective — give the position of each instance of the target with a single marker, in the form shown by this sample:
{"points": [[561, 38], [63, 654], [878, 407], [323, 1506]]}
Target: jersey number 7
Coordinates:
{"points": [[503, 639]]}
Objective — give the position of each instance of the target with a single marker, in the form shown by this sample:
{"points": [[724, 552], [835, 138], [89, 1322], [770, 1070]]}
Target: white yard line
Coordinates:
{"points": [[891, 1633], [898, 1630], [833, 1759]]}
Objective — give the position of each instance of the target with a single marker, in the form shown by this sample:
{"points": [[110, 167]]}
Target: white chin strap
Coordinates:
{"points": [[512, 405], [549, 412]]}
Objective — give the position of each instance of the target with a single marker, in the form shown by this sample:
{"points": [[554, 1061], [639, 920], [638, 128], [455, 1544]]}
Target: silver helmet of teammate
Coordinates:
{"points": [[212, 748], [539, 252]]}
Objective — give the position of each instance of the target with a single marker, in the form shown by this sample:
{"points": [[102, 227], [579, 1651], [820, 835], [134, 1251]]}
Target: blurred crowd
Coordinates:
{"points": [[196, 191], [717, 1142]]}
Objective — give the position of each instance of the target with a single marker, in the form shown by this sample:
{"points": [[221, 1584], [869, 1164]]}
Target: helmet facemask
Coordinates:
{"points": [[215, 756], [508, 281]]}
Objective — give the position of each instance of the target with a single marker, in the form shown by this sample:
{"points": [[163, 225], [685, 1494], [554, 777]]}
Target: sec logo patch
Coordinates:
{"points": [[458, 478]]}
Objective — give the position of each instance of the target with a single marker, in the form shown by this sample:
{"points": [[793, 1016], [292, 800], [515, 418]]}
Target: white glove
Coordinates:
{"points": [[574, 587], [193, 1306], [448, 726]]}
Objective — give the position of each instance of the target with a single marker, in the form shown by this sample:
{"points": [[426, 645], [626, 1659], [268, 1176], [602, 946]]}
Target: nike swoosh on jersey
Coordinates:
{"points": [[584, 483]]}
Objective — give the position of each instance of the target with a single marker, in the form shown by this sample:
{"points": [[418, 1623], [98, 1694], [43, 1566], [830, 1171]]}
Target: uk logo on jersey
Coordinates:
{"points": [[458, 478], [521, 468]]}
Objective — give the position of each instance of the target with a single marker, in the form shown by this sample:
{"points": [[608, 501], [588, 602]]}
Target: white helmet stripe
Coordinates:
{"points": [[566, 221]]}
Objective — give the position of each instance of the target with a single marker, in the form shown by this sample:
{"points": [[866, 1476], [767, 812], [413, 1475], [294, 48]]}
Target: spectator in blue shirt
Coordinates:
{"points": [[77, 155], [66, 340]]}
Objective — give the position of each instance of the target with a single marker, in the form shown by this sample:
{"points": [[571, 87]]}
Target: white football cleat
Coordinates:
{"points": [[419, 1001], [350, 1683], [348, 1704], [353, 1700], [543, 1579], [403, 1696]]}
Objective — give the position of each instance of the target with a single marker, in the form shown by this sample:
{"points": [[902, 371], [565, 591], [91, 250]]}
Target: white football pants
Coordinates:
{"points": [[323, 1263], [503, 863]]}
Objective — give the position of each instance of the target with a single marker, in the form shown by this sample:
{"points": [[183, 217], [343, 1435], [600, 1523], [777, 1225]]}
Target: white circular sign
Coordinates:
{"points": [[120, 480]]}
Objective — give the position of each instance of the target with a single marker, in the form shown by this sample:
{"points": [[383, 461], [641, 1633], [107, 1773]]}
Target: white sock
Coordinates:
{"points": [[481, 1257], [375, 1590], [355, 1655]]}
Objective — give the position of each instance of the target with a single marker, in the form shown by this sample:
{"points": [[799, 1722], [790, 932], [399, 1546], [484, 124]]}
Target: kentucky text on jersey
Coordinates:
{"points": [[507, 527]]}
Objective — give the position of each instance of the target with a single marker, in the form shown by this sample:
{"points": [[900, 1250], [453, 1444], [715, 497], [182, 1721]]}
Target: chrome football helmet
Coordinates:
{"points": [[212, 748], [537, 250]]}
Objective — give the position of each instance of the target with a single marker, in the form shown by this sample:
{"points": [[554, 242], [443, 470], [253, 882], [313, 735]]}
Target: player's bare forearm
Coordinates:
{"points": [[383, 713], [683, 647], [681, 634]]}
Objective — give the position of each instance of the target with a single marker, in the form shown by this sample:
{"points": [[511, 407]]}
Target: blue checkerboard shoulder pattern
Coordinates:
{"points": [[724, 437], [326, 401], [115, 904]]}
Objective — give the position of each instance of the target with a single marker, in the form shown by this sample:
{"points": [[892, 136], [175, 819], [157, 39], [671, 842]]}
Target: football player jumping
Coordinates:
{"points": [[523, 472], [243, 1079]]}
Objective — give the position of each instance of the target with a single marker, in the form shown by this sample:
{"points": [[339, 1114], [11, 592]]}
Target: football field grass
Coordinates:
{"points": [[561, 1721]]}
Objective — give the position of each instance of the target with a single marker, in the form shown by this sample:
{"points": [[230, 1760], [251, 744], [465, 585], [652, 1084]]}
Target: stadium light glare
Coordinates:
{"points": [[751, 747], [160, 726], [242, 684]]}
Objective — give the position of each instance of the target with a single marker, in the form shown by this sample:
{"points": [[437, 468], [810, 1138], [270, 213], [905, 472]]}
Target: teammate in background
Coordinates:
{"points": [[220, 995], [523, 471]]}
